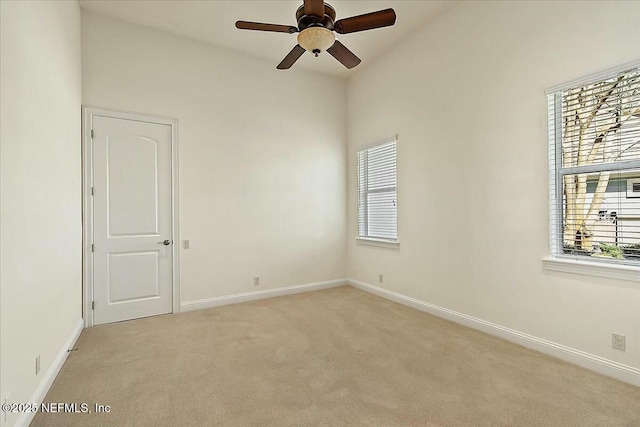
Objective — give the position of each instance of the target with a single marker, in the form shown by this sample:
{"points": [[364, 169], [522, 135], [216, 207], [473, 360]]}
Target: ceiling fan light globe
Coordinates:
{"points": [[316, 38]]}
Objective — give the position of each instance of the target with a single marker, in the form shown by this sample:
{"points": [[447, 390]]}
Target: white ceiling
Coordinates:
{"points": [[213, 21]]}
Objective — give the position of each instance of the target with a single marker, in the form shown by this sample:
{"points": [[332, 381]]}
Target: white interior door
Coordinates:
{"points": [[133, 241]]}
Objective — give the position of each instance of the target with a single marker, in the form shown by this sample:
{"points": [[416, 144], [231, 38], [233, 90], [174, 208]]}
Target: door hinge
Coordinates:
{"points": [[93, 305], [92, 191], [92, 247], [91, 133]]}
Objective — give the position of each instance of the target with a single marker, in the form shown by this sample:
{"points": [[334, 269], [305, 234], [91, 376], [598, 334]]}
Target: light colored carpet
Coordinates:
{"points": [[338, 357]]}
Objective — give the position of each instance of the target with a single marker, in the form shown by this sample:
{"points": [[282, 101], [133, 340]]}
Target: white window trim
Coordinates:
{"points": [[591, 268], [378, 242], [592, 77], [610, 269], [370, 241]]}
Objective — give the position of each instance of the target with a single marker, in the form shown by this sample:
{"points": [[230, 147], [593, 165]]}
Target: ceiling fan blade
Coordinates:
{"points": [[245, 25], [368, 21], [344, 55], [314, 7], [291, 58]]}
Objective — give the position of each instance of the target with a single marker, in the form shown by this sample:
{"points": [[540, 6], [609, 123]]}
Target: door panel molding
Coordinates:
{"points": [[88, 115]]}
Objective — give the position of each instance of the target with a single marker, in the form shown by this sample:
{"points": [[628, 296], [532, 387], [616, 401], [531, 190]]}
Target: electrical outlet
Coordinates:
{"points": [[256, 281], [380, 278], [185, 244], [618, 341], [37, 364]]}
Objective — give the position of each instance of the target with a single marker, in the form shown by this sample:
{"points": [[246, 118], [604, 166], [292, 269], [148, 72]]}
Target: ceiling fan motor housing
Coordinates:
{"points": [[326, 21], [316, 32]]}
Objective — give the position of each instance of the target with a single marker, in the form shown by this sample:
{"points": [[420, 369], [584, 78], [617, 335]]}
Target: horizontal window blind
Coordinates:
{"points": [[377, 192], [594, 153]]}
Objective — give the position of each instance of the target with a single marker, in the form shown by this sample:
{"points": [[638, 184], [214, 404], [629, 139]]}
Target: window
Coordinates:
{"points": [[633, 188], [594, 160], [377, 193]]}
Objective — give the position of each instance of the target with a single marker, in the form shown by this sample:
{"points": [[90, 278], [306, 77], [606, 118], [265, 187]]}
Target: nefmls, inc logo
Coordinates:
{"points": [[53, 407]]}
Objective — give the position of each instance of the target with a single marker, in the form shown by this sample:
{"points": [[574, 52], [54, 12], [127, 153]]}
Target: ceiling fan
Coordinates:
{"points": [[316, 23]]}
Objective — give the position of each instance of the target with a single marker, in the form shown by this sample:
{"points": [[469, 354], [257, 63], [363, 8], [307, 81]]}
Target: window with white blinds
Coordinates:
{"points": [[377, 192], [594, 156]]}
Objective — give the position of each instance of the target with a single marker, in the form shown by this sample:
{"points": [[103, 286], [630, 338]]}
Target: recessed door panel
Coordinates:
{"points": [[133, 276], [132, 182]]}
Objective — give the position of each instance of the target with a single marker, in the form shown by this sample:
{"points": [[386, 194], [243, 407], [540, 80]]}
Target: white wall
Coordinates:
{"points": [[40, 184], [467, 97], [262, 154]]}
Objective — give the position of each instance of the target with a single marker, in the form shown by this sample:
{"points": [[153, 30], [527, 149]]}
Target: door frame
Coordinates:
{"points": [[88, 112]]}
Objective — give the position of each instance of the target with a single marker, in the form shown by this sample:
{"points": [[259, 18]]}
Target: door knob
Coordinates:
{"points": [[165, 242]]}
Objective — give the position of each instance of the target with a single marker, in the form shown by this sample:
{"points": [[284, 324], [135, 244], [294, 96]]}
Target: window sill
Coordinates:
{"points": [[610, 271], [377, 242]]}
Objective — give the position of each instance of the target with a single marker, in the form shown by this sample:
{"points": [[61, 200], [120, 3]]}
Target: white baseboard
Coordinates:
{"points": [[256, 295], [589, 361], [42, 390]]}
